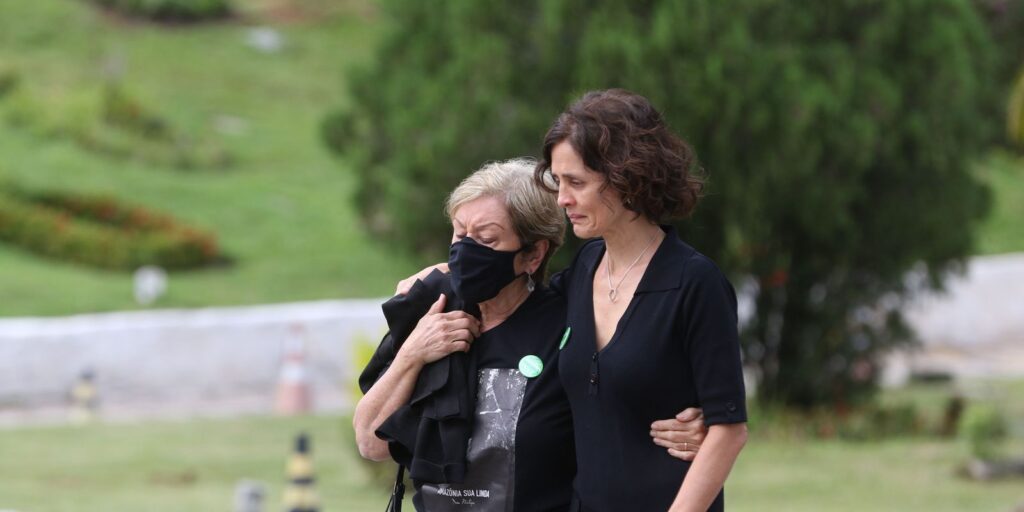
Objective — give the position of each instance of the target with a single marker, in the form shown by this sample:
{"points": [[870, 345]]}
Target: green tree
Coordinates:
{"points": [[837, 137], [457, 84]]}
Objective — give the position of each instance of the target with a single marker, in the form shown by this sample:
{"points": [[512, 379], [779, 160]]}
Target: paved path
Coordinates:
{"points": [[183, 362], [975, 328]]}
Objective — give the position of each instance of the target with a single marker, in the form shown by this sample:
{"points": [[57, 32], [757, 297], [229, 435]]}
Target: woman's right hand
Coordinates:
{"points": [[682, 435], [406, 284], [438, 334]]}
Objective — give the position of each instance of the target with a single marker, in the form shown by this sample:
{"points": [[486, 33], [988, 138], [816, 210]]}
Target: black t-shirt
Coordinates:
{"points": [[676, 346], [522, 442]]}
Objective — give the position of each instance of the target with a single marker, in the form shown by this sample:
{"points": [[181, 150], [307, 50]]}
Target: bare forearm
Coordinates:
{"points": [[390, 392], [436, 335], [710, 468]]}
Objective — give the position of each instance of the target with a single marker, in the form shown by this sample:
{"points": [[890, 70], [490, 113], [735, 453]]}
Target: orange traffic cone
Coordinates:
{"points": [[294, 394]]}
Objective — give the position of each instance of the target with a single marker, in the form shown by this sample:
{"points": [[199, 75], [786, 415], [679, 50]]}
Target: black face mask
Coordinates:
{"points": [[479, 272]]}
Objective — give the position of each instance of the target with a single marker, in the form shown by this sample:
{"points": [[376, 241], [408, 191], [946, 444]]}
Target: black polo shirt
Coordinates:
{"points": [[676, 346]]}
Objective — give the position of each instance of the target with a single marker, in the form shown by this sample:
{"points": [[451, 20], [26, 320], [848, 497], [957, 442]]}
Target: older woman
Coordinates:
{"points": [[653, 321], [464, 390], [516, 443]]}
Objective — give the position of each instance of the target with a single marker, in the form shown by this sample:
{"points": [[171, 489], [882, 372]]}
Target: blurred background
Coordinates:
{"points": [[204, 202]]}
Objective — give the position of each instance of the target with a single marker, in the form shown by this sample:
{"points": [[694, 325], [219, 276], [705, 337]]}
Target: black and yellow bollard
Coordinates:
{"points": [[300, 495], [84, 398]]}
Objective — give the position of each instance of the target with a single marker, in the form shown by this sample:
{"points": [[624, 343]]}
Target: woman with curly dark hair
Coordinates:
{"points": [[653, 322]]}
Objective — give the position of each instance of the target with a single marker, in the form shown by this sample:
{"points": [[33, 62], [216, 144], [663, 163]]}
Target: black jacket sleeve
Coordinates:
{"points": [[402, 313], [430, 434]]}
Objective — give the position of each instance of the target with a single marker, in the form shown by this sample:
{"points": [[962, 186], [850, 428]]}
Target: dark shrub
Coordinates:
{"points": [[170, 10]]}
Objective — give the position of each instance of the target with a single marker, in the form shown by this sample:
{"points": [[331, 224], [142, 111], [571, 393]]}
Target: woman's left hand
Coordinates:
{"points": [[682, 435]]}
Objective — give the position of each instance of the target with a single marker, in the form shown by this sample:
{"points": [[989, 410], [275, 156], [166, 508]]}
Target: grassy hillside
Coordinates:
{"points": [[281, 211]]}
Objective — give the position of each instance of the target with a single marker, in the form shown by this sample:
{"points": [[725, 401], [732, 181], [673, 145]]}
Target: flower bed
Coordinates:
{"points": [[101, 232]]}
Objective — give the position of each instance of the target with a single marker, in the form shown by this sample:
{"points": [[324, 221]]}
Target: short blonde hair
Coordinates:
{"points": [[534, 212]]}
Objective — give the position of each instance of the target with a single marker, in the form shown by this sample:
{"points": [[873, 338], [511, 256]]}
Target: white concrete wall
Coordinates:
{"points": [[974, 329], [200, 361], [983, 306]]}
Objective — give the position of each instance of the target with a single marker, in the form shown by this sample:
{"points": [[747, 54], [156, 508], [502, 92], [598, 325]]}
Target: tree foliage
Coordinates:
{"points": [[1005, 22], [457, 84], [837, 137]]}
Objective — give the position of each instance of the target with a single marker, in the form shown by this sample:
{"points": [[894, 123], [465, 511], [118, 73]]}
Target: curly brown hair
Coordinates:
{"points": [[620, 135]]}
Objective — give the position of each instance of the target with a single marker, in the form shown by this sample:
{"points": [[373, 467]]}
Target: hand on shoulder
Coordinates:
{"points": [[406, 284]]}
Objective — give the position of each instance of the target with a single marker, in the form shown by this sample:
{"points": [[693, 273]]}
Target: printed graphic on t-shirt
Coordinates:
{"points": [[489, 484]]}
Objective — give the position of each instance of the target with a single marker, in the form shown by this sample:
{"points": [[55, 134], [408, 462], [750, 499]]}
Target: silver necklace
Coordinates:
{"points": [[613, 291]]}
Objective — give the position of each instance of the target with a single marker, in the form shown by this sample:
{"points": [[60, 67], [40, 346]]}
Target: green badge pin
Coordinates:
{"points": [[530, 366], [565, 338]]}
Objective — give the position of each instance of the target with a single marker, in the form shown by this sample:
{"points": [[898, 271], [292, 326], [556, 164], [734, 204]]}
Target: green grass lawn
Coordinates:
{"points": [[1003, 230], [893, 475], [173, 466], [282, 211], [194, 466]]}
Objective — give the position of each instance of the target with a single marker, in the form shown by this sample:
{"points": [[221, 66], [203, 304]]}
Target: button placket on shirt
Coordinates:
{"points": [[595, 375]]}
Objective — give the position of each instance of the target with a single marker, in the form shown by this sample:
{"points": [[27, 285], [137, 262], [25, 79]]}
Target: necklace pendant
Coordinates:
{"points": [[612, 295]]}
